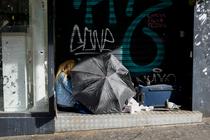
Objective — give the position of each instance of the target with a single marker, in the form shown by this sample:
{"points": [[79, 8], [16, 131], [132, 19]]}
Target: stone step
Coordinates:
{"points": [[66, 121]]}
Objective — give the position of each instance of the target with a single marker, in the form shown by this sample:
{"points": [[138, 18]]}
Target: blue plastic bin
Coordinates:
{"points": [[155, 95]]}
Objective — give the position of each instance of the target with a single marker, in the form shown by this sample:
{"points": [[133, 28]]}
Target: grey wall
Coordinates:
{"points": [[1, 79], [201, 59], [26, 124]]}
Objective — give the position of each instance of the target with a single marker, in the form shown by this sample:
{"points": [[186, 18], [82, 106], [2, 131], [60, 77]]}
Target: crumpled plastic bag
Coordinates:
{"points": [[133, 107]]}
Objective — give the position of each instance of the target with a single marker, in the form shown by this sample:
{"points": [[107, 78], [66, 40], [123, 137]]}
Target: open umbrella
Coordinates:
{"points": [[102, 84]]}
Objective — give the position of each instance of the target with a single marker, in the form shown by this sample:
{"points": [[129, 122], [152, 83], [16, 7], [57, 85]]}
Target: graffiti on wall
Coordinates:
{"points": [[160, 47], [156, 77], [86, 39], [79, 42], [157, 20]]}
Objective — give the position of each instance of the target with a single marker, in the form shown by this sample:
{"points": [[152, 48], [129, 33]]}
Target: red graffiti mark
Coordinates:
{"points": [[157, 20]]}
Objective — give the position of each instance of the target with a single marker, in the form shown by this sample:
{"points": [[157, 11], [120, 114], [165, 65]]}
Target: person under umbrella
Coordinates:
{"points": [[63, 89], [102, 84]]}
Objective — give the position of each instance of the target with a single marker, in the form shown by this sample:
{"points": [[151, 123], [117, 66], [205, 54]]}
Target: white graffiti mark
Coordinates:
{"points": [[157, 70], [202, 17], [79, 42], [157, 77], [160, 78], [205, 71]]}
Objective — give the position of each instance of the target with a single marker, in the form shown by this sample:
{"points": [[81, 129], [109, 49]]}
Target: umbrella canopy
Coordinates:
{"points": [[102, 84]]}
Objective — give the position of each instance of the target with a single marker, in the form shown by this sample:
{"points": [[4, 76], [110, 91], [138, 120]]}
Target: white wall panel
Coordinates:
{"points": [[14, 71]]}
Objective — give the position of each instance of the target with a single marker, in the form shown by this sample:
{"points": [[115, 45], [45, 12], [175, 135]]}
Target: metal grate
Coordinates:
{"points": [[73, 121]]}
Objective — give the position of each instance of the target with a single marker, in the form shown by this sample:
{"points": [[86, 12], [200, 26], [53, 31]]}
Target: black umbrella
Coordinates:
{"points": [[102, 84]]}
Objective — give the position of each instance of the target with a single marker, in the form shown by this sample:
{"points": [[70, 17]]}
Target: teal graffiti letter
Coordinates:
{"points": [[129, 9], [112, 16], [126, 56], [89, 14], [89, 9], [77, 3]]}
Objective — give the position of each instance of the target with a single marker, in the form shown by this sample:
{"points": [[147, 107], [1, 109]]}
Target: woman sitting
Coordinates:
{"points": [[63, 89]]}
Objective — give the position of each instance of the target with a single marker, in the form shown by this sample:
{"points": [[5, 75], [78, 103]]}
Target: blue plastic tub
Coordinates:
{"points": [[155, 95]]}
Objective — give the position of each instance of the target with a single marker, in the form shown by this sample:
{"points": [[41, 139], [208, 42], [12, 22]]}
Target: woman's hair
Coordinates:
{"points": [[62, 67]]}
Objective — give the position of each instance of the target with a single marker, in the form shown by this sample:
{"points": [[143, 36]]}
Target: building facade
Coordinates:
{"points": [[155, 40]]}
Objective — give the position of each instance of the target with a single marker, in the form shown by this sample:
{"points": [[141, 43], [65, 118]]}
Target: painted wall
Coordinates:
{"points": [[201, 60], [152, 38]]}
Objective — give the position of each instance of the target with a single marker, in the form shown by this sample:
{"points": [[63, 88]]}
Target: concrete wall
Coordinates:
{"points": [[201, 59]]}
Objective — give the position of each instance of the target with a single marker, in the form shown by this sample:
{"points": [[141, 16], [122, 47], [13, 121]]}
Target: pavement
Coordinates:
{"points": [[199, 131]]}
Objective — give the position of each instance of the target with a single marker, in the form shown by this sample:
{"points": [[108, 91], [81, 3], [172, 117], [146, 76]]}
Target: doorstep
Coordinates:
{"points": [[66, 121]]}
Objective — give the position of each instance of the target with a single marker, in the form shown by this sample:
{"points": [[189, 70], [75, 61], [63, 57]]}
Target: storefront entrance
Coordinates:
{"points": [[153, 39]]}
